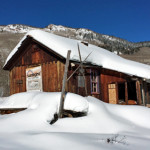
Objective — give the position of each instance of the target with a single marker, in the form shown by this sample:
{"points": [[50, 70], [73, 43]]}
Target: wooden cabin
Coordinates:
{"points": [[34, 65]]}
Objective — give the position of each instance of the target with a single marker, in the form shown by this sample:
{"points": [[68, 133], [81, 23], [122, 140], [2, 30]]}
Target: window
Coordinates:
{"points": [[94, 81]]}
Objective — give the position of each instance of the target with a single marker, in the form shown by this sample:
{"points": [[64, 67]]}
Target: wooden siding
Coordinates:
{"points": [[107, 77], [52, 75], [35, 54], [72, 83], [17, 80]]}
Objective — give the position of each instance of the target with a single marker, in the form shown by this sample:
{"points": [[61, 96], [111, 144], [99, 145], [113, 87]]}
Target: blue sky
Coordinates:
{"points": [[128, 19]]}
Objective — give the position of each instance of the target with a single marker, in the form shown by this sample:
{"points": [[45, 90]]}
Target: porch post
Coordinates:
{"points": [[143, 93], [138, 92]]}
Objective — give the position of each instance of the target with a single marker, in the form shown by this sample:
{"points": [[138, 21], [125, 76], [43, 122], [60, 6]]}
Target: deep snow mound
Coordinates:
{"points": [[101, 117], [35, 100]]}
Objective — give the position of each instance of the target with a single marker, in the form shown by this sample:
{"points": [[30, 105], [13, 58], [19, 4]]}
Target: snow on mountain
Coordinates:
{"points": [[16, 28], [75, 33], [106, 41], [1, 28]]}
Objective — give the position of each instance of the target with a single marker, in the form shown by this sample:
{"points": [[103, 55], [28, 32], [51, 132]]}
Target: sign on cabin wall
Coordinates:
{"points": [[34, 79]]}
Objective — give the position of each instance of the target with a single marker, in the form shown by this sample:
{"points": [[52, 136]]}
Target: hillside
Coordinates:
{"points": [[143, 55], [7, 43], [108, 42], [11, 34]]}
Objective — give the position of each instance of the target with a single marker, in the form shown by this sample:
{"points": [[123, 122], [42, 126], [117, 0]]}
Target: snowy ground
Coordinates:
{"points": [[106, 126]]}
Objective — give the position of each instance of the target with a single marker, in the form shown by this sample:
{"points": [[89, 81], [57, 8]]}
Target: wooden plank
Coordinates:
{"points": [[112, 92], [126, 93], [52, 77], [49, 78], [148, 105], [13, 80], [19, 78], [10, 82], [23, 78], [58, 74], [47, 74], [43, 77], [143, 93], [46, 77], [138, 92], [55, 76], [63, 86], [4, 111], [16, 89], [61, 74], [82, 71]]}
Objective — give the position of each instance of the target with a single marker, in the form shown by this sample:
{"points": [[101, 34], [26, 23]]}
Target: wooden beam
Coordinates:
{"points": [[82, 71], [143, 93], [138, 92], [63, 86]]}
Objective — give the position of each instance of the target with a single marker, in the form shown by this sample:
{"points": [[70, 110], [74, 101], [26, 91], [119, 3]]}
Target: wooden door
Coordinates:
{"points": [[112, 93]]}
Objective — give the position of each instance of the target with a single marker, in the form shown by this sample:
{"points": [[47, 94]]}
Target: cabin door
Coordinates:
{"points": [[112, 93]]}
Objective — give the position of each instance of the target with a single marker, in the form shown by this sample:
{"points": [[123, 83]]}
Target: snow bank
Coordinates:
{"points": [[41, 107], [137, 115], [99, 56], [101, 117], [105, 118], [30, 129], [36, 99]]}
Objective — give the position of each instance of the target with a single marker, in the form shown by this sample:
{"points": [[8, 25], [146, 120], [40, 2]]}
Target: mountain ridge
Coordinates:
{"points": [[111, 43]]}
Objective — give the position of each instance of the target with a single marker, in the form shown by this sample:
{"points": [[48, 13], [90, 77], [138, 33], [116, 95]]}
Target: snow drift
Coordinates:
{"points": [[30, 129], [101, 117]]}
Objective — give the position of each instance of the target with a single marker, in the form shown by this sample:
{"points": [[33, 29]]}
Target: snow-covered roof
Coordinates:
{"points": [[99, 56]]}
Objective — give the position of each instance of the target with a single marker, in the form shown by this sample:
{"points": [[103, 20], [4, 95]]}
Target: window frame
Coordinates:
{"points": [[94, 81]]}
